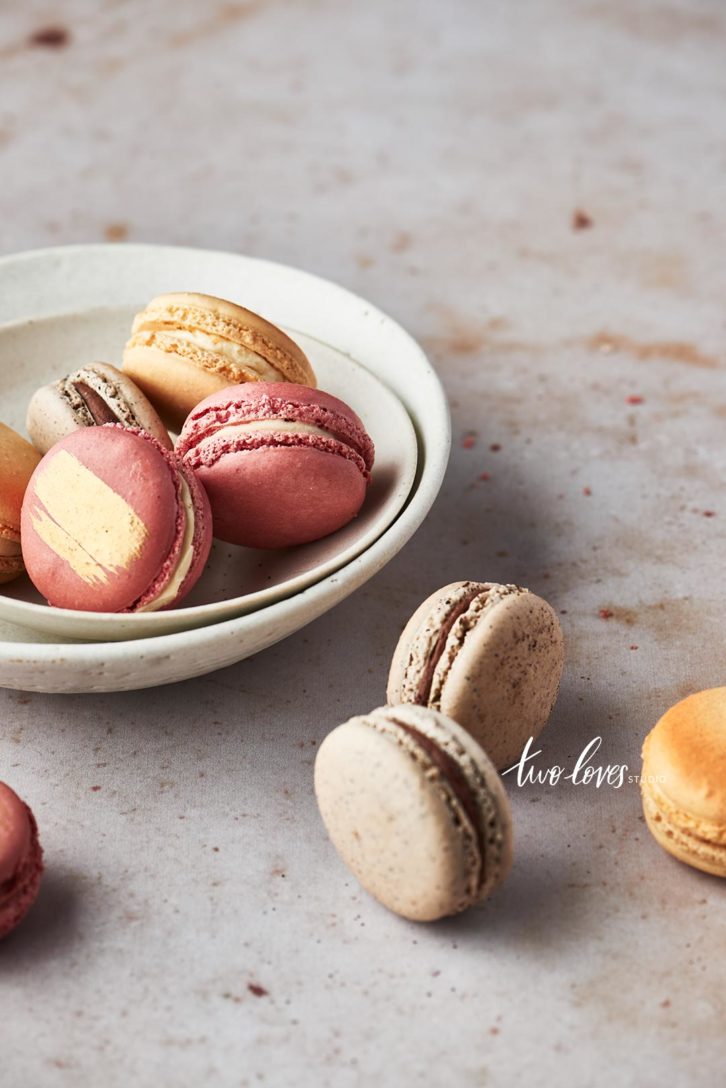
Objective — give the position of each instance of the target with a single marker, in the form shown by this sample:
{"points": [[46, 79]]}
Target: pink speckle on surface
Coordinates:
{"points": [[634, 399], [587, 491], [606, 614], [469, 441]]}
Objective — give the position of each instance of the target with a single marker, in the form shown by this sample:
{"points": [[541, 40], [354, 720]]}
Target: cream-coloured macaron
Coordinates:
{"points": [[683, 783], [186, 346], [415, 809], [489, 656]]}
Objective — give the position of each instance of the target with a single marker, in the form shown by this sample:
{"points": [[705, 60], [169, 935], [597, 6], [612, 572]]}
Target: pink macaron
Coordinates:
{"points": [[21, 860], [283, 464], [114, 522]]}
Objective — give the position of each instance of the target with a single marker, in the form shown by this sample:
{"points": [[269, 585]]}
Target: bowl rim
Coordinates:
{"points": [[432, 464]]}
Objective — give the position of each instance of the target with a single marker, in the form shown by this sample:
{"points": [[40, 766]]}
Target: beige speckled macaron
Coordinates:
{"points": [[185, 346], [415, 809], [489, 656], [683, 782], [89, 397]]}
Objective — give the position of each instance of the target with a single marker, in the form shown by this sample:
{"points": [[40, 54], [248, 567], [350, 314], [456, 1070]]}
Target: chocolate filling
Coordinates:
{"points": [[100, 411], [427, 675], [458, 783]]}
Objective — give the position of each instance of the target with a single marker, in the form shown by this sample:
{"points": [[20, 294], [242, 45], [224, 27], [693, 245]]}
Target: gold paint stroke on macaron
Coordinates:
{"points": [[107, 533]]}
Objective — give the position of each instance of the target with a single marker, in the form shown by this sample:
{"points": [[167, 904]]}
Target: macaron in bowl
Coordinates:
{"points": [[89, 397], [21, 860], [114, 522], [415, 809], [18, 461], [283, 464], [186, 346], [489, 656]]}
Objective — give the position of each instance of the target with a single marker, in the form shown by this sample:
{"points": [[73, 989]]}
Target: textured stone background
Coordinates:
{"points": [[535, 190]]}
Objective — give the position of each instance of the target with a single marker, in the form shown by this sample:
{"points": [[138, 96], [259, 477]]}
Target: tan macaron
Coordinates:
{"points": [[683, 783], [17, 464], [415, 809], [184, 347], [489, 656]]}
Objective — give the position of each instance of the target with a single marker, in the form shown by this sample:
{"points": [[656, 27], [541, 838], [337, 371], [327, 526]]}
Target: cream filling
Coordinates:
{"points": [[268, 426], [236, 354], [171, 589]]}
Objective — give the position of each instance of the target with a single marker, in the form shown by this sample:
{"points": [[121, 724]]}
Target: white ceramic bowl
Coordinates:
{"points": [[87, 288]]}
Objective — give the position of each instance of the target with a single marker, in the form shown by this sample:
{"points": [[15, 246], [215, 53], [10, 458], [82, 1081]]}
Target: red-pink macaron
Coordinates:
{"points": [[21, 859], [283, 464], [114, 522]]}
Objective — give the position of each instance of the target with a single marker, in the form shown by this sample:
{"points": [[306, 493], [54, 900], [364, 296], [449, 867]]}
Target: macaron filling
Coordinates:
{"points": [[429, 643], [212, 352], [95, 400], [458, 783], [164, 594]]}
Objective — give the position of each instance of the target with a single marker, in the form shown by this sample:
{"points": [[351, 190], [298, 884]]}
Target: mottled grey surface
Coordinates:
{"points": [[536, 191]]}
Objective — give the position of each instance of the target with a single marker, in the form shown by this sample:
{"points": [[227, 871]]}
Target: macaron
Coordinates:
{"points": [[283, 464], [185, 346], [415, 809], [489, 656], [21, 860], [683, 782], [114, 522], [18, 460], [91, 396]]}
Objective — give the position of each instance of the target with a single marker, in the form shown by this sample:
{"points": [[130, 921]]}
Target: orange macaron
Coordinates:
{"points": [[683, 783]]}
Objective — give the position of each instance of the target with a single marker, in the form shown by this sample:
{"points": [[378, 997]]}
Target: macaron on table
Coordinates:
{"points": [[272, 855]]}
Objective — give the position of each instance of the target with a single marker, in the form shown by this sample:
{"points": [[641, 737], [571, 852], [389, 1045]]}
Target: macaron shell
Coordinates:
{"points": [[21, 864], [280, 496], [114, 497], [693, 848], [389, 824], [504, 678], [173, 384], [687, 747], [18, 461]]}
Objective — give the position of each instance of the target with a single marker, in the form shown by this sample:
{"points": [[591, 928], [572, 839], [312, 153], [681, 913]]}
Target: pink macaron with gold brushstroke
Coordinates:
{"points": [[283, 464], [21, 859], [114, 522]]}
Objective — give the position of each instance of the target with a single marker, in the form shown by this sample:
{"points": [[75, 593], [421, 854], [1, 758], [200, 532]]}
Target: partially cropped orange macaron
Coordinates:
{"points": [[18, 460], [683, 783]]}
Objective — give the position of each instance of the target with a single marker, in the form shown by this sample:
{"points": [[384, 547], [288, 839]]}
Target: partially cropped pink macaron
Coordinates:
{"points": [[283, 464], [21, 859], [113, 522]]}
